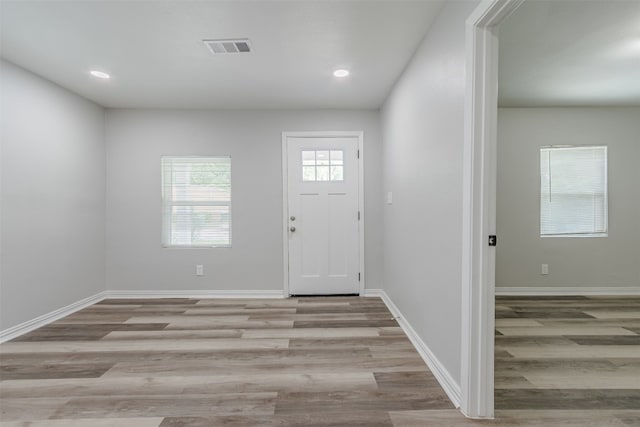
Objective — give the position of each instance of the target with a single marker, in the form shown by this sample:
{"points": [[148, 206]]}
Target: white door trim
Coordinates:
{"points": [[285, 197], [479, 217]]}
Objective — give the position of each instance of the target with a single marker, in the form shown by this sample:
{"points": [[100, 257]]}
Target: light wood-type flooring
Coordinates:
{"points": [[317, 361], [569, 353]]}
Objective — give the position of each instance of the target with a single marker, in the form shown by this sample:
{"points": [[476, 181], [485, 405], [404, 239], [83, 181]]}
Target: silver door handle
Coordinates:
{"points": [[292, 229]]}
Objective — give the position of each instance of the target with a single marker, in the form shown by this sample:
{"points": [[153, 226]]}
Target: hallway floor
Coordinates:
{"points": [[319, 361], [188, 362]]}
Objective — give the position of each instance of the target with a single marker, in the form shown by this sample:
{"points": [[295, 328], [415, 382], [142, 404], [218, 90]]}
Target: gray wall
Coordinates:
{"points": [[573, 261], [135, 141], [53, 192], [423, 134]]}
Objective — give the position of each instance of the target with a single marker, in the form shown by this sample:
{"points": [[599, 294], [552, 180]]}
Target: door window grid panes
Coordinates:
{"points": [[196, 201], [322, 165], [573, 191]]}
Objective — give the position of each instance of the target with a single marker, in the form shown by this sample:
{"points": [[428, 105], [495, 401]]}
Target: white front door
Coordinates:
{"points": [[322, 217]]}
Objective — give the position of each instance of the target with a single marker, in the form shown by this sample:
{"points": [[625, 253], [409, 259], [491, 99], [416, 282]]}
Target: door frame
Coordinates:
{"points": [[478, 205], [285, 197]]}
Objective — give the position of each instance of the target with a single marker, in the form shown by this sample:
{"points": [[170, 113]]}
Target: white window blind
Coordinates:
{"points": [[196, 201], [573, 191]]}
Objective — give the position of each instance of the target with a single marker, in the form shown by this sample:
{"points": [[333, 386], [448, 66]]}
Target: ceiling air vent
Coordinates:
{"points": [[228, 46]]}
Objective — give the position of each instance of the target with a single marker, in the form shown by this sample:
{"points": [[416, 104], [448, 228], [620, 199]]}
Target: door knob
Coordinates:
{"points": [[292, 229], [292, 218]]}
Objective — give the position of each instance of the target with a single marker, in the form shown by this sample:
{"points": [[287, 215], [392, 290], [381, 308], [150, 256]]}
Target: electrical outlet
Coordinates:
{"points": [[545, 269], [199, 270], [389, 198]]}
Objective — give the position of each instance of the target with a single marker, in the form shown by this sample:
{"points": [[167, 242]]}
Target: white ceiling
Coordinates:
{"points": [[155, 55], [571, 53]]}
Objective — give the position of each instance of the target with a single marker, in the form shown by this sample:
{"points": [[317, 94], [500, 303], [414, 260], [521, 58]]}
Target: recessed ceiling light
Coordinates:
{"points": [[341, 73], [634, 46], [99, 74], [626, 49]]}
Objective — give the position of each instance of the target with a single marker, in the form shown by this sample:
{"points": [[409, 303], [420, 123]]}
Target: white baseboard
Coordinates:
{"points": [[567, 291], [195, 294], [30, 325], [449, 385]]}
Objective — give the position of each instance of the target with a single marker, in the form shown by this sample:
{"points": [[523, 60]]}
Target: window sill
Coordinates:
{"points": [[195, 247], [575, 235]]}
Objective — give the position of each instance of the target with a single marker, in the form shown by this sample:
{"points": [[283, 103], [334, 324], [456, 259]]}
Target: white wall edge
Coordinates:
{"points": [[478, 207], [566, 290], [273, 294], [38, 322], [285, 212], [448, 384]]}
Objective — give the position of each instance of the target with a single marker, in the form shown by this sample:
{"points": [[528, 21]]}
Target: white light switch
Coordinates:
{"points": [[199, 270], [389, 198], [545, 269]]}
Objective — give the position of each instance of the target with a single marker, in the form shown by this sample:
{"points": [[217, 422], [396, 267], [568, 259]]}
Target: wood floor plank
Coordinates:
{"points": [[585, 352], [217, 367], [517, 322], [16, 409], [511, 380], [349, 323], [227, 421], [188, 321], [347, 342], [563, 398], [589, 380], [322, 316], [67, 370], [313, 333], [87, 422], [187, 356], [633, 313], [407, 380], [605, 340], [630, 419], [203, 384], [143, 345], [221, 311], [519, 340], [182, 405], [45, 334], [202, 322], [334, 419], [334, 308], [576, 330], [625, 323], [509, 418], [527, 365], [275, 302], [359, 401], [173, 334]]}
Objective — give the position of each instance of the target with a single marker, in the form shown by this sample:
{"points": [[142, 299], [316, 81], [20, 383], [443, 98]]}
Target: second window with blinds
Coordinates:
{"points": [[196, 202], [573, 191]]}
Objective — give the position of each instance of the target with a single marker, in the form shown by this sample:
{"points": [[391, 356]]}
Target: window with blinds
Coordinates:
{"points": [[196, 201], [573, 191]]}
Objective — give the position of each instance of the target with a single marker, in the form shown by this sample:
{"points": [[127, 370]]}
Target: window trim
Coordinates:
{"points": [[606, 181], [166, 207]]}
